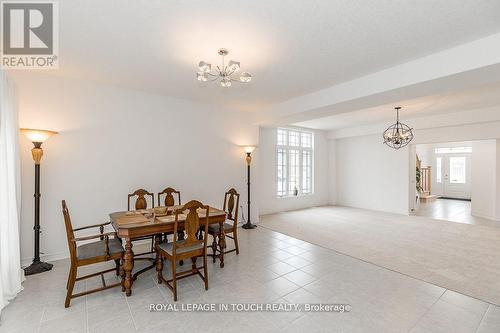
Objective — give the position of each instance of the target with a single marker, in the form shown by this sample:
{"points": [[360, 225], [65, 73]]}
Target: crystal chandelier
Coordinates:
{"points": [[225, 74], [398, 135]]}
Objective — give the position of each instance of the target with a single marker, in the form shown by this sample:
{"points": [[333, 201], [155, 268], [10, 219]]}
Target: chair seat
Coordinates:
{"points": [[168, 248], [214, 228], [98, 249]]}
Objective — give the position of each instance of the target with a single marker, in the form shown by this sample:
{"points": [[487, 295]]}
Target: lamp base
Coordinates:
{"points": [[249, 225], [37, 267]]}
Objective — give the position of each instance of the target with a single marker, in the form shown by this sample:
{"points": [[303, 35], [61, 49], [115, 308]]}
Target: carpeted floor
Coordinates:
{"points": [[460, 257]]}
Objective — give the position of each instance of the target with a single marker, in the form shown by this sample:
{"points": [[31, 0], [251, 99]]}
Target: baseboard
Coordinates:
{"points": [[25, 262], [486, 217]]}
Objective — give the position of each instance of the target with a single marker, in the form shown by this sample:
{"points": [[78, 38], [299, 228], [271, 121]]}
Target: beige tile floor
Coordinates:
{"points": [[452, 210], [272, 267]]}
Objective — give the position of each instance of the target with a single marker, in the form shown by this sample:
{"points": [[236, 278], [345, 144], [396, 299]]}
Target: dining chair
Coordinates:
{"points": [[141, 202], [169, 201], [231, 204], [190, 247], [102, 250]]}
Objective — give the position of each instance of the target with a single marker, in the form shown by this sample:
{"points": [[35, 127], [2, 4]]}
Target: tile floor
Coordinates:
{"points": [[452, 210], [272, 267]]}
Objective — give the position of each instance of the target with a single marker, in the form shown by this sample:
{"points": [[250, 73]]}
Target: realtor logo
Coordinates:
{"points": [[29, 34]]}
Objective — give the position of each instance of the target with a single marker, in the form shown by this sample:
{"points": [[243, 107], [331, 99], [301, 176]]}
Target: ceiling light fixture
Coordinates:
{"points": [[224, 74], [398, 135]]}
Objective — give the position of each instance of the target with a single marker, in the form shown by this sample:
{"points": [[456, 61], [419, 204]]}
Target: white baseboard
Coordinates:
{"points": [[488, 217], [25, 262]]}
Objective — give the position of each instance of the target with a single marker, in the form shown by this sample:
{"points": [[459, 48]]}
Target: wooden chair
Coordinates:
{"points": [[105, 249], [169, 201], [142, 203], [231, 204], [191, 247], [140, 200]]}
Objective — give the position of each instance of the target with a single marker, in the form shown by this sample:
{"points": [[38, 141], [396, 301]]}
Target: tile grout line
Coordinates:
{"points": [[426, 311], [40, 322], [130, 312], [87, 309], [381, 267], [482, 318]]}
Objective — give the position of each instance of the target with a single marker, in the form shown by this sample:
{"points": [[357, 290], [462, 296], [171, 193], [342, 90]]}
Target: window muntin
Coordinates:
{"points": [[457, 170], [306, 172], [294, 161], [281, 172]]}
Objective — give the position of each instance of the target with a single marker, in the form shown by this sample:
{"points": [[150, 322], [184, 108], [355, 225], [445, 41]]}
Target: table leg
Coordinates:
{"points": [[128, 265], [222, 243]]}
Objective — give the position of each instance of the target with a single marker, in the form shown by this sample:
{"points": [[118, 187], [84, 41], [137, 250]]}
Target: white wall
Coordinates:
{"points": [[371, 175], [113, 141], [484, 175], [267, 201], [498, 180], [332, 167]]}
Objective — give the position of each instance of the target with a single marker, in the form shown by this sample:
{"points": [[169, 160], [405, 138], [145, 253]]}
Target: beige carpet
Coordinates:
{"points": [[460, 257]]}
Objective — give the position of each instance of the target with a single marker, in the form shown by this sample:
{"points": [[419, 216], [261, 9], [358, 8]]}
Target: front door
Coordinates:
{"points": [[456, 176]]}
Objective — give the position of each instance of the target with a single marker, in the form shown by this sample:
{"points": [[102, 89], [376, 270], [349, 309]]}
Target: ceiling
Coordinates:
{"points": [[478, 98], [291, 48]]}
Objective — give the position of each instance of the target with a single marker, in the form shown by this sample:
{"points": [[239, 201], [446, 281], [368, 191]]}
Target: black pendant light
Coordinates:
{"points": [[398, 135]]}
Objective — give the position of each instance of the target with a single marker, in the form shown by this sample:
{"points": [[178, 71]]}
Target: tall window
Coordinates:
{"points": [[438, 169], [294, 161]]}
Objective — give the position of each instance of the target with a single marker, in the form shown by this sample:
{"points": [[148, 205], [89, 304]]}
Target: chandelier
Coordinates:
{"points": [[225, 74], [398, 135]]}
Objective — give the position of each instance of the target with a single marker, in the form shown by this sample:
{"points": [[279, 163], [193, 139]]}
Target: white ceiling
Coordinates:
{"points": [[291, 47], [477, 98]]}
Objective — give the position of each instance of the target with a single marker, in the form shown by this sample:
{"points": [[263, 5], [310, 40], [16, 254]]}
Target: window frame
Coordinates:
{"points": [[286, 148]]}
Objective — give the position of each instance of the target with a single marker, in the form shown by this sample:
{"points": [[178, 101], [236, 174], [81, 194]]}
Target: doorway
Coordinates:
{"points": [[455, 181], [453, 172]]}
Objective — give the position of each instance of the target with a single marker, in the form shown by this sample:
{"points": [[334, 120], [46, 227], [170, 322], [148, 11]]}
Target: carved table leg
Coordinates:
{"points": [[122, 273], [128, 265], [222, 243], [193, 266]]}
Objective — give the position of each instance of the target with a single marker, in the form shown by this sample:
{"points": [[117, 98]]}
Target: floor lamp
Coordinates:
{"points": [[37, 137], [248, 151]]}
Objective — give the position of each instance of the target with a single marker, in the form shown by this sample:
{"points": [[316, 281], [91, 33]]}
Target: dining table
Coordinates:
{"points": [[130, 225]]}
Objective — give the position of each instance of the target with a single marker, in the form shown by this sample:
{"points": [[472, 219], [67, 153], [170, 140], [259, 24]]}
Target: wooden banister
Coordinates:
{"points": [[426, 180]]}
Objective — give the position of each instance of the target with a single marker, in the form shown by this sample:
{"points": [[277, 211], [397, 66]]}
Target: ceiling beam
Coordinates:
{"points": [[458, 68]]}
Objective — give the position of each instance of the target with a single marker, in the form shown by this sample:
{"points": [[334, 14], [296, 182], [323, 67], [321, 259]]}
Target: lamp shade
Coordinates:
{"points": [[249, 149], [37, 135]]}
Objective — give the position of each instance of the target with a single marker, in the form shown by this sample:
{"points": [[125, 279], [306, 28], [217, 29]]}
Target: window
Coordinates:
{"points": [[453, 150], [294, 162], [457, 170], [438, 169]]}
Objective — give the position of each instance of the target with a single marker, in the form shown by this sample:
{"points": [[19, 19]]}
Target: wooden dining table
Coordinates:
{"points": [[133, 224]]}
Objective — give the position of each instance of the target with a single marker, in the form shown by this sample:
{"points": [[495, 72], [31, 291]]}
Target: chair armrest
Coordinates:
{"points": [[107, 234], [92, 226]]}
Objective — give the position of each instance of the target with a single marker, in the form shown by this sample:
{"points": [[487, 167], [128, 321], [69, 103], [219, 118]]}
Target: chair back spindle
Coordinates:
{"points": [[191, 225], [231, 205], [69, 229]]}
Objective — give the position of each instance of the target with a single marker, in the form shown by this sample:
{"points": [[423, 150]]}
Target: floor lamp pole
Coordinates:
{"points": [[249, 224], [37, 266]]}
